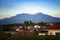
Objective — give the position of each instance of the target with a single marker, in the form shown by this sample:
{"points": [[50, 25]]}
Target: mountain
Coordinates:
{"points": [[20, 18]]}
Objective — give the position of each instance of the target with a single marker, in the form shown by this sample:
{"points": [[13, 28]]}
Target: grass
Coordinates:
{"points": [[4, 36], [35, 37]]}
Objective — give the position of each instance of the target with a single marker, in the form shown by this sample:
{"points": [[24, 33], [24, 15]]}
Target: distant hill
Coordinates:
{"points": [[20, 18]]}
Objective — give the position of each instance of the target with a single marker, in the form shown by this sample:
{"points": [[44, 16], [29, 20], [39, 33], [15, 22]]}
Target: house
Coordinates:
{"points": [[50, 29], [53, 28], [43, 32], [31, 29], [21, 29], [37, 26]]}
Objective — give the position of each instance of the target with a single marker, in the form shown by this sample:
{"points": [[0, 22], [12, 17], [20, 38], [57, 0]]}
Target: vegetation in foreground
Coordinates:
{"points": [[8, 27], [35, 37]]}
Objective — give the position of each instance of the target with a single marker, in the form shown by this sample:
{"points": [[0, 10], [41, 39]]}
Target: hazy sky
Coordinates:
{"points": [[10, 8]]}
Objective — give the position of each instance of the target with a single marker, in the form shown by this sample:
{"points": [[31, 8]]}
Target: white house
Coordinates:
{"points": [[52, 29]]}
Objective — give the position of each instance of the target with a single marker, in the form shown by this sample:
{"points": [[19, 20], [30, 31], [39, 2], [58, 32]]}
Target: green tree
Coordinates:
{"points": [[28, 23], [42, 23]]}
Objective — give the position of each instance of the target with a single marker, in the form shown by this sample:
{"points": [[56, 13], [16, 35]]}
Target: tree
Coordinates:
{"points": [[6, 28], [42, 24], [28, 23]]}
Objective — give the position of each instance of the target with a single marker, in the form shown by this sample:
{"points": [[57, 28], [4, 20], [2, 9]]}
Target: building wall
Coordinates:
{"points": [[41, 34], [53, 32]]}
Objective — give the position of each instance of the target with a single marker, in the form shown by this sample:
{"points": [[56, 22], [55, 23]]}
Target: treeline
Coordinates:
{"points": [[5, 27]]}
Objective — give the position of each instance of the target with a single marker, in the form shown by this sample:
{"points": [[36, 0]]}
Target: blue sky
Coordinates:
{"points": [[10, 8]]}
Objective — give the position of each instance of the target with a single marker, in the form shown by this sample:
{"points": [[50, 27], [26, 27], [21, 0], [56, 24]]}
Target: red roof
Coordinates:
{"points": [[55, 26], [32, 28], [23, 28]]}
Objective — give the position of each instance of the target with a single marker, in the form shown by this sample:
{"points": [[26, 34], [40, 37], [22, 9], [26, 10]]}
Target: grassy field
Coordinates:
{"points": [[4, 36], [35, 37]]}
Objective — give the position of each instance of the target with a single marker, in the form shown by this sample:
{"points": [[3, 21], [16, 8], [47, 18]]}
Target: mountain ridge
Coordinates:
{"points": [[20, 18]]}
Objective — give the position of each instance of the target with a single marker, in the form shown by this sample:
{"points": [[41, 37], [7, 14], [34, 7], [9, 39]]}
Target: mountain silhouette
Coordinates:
{"points": [[20, 18]]}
